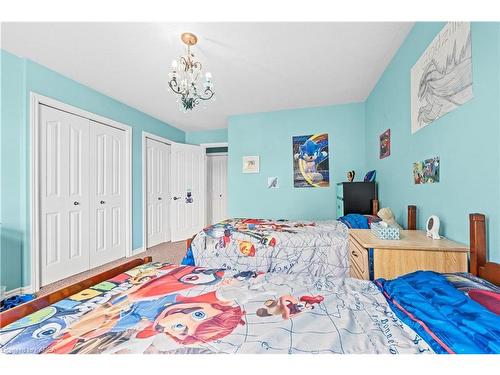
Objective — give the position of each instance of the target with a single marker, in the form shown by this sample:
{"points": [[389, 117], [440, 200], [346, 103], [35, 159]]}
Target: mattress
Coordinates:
{"points": [[165, 308], [282, 246]]}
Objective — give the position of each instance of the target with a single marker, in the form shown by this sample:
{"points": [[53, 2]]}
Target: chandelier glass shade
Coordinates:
{"points": [[187, 80]]}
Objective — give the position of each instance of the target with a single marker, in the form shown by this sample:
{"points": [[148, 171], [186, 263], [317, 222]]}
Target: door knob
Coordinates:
{"points": [[159, 198], [102, 202], [76, 203], [220, 195], [176, 198]]}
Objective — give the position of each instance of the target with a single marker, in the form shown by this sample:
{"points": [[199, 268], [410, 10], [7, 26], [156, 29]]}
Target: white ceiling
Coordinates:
{"points": [[256, 67]]}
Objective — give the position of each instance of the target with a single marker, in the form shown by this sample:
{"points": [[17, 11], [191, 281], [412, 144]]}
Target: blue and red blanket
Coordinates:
{"points": [[446, 318]]}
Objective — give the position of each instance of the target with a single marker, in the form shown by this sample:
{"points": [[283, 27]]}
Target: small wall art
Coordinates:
{"points": [[250, 164], [272, 183], [310, 161], [427, 171], [385, 144], [441, 79]]}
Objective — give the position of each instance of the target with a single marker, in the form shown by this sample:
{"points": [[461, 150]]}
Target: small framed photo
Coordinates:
{"points": [[250, 164], [385, 144]]}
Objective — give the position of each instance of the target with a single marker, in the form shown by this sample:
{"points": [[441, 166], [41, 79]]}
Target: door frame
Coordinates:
{"points": [[154, 137], [207, 197], [34, 182]]}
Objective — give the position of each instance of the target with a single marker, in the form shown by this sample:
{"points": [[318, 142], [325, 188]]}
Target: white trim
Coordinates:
{"points": [[22, 290], [216, 144], [146, 135], [35, 101], [216, 154]]}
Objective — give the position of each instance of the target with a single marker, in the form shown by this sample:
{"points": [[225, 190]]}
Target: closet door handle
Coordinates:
{"points": [[176, 198], [354, 253], [159, 198], [76, 203], [102, 202]]}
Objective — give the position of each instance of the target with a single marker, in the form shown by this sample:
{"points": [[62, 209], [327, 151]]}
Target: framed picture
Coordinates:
{"points": [[426, 172], [250, 164], [385, 144], [310, 161], [272, 183]]}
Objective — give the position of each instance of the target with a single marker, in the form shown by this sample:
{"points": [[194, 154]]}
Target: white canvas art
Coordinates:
{"points": [[441, 80]]}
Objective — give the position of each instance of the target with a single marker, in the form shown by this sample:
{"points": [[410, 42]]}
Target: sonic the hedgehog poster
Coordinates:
{"points": [[310, 161]]}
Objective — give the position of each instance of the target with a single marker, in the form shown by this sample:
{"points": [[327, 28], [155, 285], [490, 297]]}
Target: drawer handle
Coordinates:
{"points": [[354, 253]]}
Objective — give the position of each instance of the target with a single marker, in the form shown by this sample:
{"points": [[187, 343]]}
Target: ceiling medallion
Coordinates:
{"points": [[186, 76]]}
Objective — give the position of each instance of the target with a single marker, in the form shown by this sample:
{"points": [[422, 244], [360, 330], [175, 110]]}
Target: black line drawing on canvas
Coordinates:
{"points": [[441, 80]]}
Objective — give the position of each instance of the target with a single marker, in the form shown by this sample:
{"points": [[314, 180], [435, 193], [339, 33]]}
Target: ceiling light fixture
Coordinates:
{"points": [[185, 76]]}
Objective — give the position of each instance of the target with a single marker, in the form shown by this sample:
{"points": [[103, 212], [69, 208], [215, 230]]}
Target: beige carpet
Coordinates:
{"points": [[170, 252]]}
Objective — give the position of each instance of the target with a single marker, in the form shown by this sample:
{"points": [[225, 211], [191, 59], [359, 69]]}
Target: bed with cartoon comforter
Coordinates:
{"points": [[164, 308], [292, 247]]}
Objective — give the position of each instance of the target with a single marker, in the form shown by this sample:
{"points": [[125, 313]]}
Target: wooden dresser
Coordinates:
{"points": [[371, 257]]}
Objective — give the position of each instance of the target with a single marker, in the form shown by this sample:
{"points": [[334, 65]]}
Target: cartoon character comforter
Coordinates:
{"points": [[164, 308], [311, 248]]}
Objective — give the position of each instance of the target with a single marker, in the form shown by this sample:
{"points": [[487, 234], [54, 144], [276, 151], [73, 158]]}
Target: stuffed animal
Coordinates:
{"points": [[388, 217]]}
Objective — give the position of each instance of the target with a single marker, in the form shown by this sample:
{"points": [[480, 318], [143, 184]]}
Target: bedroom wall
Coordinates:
{"points": [[207, 136], [466, 139], [269, 135], [19, 77]]}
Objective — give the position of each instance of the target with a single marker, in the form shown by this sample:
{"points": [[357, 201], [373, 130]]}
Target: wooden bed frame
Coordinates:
{"points": [[478, 266], [39, 303]]}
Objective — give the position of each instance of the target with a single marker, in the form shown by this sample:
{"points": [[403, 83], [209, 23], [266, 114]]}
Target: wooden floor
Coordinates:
{"points": [[171, 252]]}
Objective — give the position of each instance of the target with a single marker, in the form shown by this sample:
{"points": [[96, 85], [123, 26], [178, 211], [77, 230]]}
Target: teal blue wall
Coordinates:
{"points": [[19, 77], [269, 135], [13, 177], [208, 136], [467, 140]]}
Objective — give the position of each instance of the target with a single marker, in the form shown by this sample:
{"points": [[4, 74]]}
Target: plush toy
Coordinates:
{"points": [[388, 217], [350, 176]]}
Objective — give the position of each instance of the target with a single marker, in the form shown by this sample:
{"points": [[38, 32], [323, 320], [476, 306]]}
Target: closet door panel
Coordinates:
{"points": [[64, 204], [107, 198], [158, 192]]}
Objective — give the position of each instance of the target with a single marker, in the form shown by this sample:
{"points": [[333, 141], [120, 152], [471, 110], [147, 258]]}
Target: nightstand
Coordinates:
{"points": [[371, 257]]}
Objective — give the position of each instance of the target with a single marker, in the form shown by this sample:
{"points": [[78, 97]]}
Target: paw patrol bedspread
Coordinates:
{"points": [[311, 248], [164, 308]]}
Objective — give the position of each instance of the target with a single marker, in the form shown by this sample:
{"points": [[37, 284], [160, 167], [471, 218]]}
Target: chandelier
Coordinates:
{"points": [[186, 76]]}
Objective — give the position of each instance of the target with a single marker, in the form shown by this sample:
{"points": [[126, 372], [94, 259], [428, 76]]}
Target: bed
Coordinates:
{"points": [[283, 246], [146, 307]]}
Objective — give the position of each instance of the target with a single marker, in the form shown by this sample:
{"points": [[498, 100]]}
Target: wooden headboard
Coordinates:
{"points": [[479, 265]]}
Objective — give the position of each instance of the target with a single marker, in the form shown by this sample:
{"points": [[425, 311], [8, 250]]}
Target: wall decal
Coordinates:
{"points": [[427, 171], [310, 165], [250, 164], [272, 183], [385, 144], [441, 80]]}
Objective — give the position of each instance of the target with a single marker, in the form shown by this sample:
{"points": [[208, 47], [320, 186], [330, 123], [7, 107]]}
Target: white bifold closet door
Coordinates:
{"points": [[107, 197], [82, 196], [64, 192], [188, 187], [158, 192], [216, 188]]}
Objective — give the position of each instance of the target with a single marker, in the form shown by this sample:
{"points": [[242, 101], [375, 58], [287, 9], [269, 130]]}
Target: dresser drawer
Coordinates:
{"points": [[358, 260], [340, 207]]}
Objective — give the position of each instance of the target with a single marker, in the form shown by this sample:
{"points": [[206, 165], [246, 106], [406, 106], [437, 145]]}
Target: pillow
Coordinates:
{"points": [[465, 282], [487, 298]]}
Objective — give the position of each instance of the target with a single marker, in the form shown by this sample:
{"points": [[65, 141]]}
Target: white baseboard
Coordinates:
{"points": [[23, 290]]}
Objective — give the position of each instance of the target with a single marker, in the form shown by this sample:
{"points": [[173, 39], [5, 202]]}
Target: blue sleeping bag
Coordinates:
{"points": [[446, 318]]}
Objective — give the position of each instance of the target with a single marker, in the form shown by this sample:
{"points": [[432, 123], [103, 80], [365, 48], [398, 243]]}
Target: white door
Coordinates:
{"points": [[107, 194], [216, 188], [158, 192], [64, 202], [188, 189]]}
